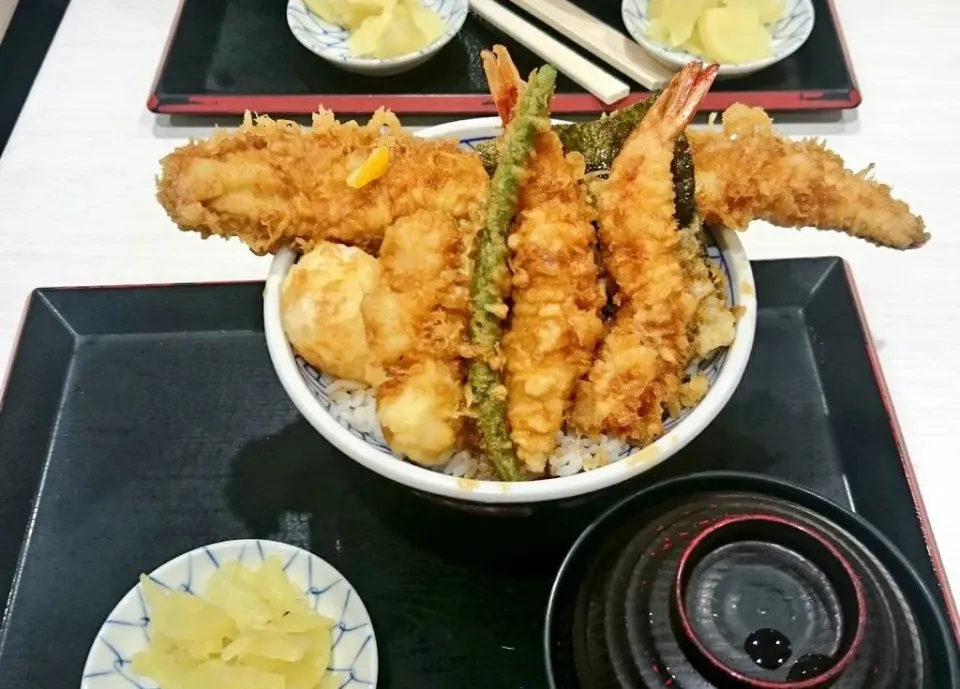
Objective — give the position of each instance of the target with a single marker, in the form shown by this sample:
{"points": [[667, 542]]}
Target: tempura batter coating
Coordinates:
{"points": [[557, 299], [491, 282], [273, 183], [640, 369], [714, 325], [320, 310], [415, 320], [760, 175], [749, 172], [556, 324]]}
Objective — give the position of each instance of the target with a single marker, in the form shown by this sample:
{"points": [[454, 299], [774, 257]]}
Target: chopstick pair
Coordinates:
{"points": [[582, 28]]}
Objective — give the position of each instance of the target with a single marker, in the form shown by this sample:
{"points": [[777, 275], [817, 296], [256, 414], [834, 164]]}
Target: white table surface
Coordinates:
{"points": [[77, 199]]}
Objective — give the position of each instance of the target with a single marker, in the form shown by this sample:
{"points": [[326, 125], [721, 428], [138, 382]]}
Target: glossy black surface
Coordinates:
{"points": [[241, 47], [632, 608], [808, 666], [761, 596], [769, 649], [140, 423]]}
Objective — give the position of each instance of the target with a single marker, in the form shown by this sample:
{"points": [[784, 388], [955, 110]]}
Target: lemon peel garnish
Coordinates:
{"points": [[371, 169]]}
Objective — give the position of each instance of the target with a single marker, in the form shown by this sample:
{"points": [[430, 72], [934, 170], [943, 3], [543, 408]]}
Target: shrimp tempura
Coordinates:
{"points": [[750, 172], [556, 296], [639, 372]]}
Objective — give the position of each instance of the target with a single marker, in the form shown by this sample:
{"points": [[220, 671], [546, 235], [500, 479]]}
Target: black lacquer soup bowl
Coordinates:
{"points": [[727, 580]]}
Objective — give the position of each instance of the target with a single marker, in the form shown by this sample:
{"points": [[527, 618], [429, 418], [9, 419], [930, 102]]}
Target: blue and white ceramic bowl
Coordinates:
{"points": [[127, 629], [329, 41], [787, 35], [311, 391]]}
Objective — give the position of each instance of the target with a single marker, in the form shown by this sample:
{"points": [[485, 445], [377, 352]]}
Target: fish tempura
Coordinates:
{"points": [[273, 183]]}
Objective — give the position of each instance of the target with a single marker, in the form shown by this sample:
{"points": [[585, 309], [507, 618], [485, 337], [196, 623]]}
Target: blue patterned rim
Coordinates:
{"points": [[319, 383], [127, 630]]}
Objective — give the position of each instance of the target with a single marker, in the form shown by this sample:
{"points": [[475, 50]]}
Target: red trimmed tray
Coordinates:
{"points": [[228, 56], [190, 439]]}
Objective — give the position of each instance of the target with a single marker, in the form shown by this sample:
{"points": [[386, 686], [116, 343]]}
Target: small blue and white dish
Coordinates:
{"points": [[127, 629], [787, 35], [329, 41]]}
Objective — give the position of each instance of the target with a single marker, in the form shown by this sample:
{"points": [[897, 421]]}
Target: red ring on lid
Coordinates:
{"points": [[691, 556]]}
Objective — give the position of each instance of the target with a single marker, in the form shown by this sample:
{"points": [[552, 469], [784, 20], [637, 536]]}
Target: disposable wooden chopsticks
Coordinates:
{"points": [[601, 39], [601, 84]]}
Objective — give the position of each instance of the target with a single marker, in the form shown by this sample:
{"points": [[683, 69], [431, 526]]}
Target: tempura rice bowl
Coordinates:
{"points": [[344, 412]]}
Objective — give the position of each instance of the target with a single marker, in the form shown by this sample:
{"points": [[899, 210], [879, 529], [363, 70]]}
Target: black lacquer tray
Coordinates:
{"points": [[139, 423], [227, 56]]}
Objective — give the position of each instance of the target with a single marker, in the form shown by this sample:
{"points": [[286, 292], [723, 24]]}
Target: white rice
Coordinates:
{"points": [[354, 404]]}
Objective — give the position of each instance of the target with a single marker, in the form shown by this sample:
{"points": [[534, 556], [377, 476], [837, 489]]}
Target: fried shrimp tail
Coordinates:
{"points": [[749, 172], [273, 183], [639, 198], [555, 324], [415, 322], [504, 82], [639, 372], [491, 282]]}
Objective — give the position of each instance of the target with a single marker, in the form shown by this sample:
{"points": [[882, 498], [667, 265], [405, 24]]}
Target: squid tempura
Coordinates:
{"points": [[416, 319]]}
